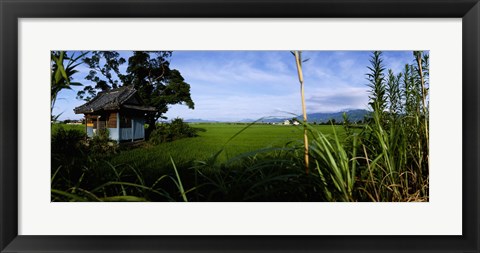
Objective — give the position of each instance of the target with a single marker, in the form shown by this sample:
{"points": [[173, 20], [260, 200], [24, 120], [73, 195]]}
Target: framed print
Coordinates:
{"points": [[387, 160]]}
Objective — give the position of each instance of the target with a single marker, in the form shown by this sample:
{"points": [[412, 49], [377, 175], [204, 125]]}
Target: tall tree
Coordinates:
{"points": [[148, 71], [104, 72]]}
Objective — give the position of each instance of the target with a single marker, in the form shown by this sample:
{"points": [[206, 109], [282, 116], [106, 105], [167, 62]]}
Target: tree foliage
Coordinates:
{"points": [[104, 67], [148, 71]]}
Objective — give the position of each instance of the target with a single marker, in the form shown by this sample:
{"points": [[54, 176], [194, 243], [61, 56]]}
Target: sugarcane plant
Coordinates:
{"points": [[298, 60]]}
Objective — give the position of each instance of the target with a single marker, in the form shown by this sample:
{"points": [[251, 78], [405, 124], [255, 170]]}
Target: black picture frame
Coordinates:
{"points": [[11, 11]]}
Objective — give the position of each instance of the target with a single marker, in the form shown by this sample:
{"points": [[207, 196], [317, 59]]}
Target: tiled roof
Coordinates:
{"points": [[111, 100]]}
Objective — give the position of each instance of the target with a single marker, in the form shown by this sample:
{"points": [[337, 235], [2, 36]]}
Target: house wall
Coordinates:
{"points": [[90, 131], [89, 126], [112, 120], [108, 121], [121, 127], [139, 128], [125, 134], [113, 133], [136, 131]]}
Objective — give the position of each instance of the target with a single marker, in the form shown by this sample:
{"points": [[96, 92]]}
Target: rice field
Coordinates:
{"points": [[216, 136]]}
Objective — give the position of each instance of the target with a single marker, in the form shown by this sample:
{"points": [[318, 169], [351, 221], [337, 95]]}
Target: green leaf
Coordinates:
{"points": [[64, 74], [179, 181]]}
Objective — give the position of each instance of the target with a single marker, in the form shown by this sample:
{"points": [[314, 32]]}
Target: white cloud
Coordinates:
{"points": [[232, 73], [239, 107], [328, 100]]}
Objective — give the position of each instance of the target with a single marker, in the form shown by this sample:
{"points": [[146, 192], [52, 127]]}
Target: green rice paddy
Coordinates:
{"points": [[215, 137]]}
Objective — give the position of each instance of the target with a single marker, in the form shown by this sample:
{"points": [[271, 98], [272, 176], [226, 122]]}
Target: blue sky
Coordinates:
{"points": [[236, 85]]}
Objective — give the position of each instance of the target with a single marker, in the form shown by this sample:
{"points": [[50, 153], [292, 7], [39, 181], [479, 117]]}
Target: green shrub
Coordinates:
{"points": [[101, 144], [177, 129], [67, 142], [69, 155]]}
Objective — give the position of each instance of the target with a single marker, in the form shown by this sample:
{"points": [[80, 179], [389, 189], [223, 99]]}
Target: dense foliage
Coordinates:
{"points": [[388, 159], [74, 156], [176, 129]]}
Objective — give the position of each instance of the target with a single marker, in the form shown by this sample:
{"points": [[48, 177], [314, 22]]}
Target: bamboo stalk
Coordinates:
{"points": [[424, 95], [304, 109]]}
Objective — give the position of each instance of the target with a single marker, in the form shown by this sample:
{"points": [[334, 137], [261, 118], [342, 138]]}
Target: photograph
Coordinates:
{"points": [[240, 126]]}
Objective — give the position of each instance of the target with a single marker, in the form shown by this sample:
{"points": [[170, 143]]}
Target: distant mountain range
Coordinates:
{"points": [[200, 121], [319, 117], [353, 115]]}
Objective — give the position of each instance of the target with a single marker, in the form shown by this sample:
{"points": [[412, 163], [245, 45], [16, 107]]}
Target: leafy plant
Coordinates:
{"points": [[177, 129], [335, 166], [100, 145], [61, 74]]}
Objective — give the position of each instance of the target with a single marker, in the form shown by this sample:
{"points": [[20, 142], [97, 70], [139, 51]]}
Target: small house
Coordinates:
{"points": [[120, 110]]}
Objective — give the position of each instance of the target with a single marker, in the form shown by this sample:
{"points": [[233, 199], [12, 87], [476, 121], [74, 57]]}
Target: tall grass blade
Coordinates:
{"points": [[179, 181]]}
